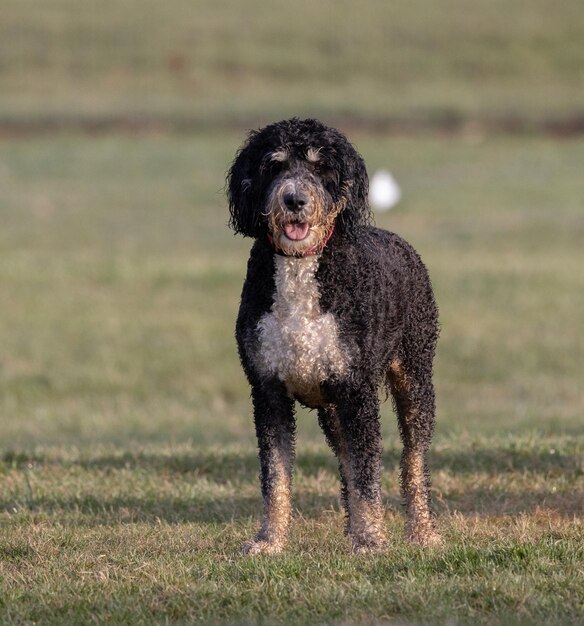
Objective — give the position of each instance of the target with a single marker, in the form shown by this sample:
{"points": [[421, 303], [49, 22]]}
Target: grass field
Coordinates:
{"points": [[128, 471], [224, 61]]}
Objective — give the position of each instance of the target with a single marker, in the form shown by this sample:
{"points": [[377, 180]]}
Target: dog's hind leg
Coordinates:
{"points": [[413, 394], [360, 434], [275, 430], [329, 422]]}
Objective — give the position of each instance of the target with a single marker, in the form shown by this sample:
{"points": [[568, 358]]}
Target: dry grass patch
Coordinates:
{"points": [[128, 469]]}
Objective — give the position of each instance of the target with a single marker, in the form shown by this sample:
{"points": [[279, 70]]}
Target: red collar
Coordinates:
{"points": [[314, 250]]}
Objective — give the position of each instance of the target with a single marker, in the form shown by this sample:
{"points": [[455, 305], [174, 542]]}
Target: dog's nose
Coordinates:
{"points": [[295, 200]]}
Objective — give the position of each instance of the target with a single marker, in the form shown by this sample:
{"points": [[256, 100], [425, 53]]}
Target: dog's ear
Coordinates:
{"points": [[242, 193], [357, 211]]}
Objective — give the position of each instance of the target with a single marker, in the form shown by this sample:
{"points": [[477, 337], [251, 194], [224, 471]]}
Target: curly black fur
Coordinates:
{"points": [[252, 172], [327, 326]]}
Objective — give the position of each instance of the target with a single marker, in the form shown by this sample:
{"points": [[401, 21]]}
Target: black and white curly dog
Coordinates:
{"points": [[331, 309]]}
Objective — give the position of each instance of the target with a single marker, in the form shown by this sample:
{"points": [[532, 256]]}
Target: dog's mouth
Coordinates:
{"points": [[296, 231]]}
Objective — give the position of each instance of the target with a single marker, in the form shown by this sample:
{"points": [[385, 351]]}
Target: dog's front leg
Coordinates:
{"points": [[358, 412], [275, 430], [331, 426]]}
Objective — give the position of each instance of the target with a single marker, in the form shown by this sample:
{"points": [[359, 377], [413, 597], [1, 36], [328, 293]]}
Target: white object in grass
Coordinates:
{"points": [[384, 192]]}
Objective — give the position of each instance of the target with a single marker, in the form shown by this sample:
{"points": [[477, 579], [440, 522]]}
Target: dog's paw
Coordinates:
{"points": [[425, 538], [367, 548], [260, 546], [368, 545]]}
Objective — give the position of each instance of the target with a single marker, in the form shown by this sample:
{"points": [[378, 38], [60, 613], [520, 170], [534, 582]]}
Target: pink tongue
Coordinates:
{"points": [[296, 232]]}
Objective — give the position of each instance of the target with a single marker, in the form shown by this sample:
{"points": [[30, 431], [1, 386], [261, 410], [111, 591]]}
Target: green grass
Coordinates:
{"points": [[128, 471], [152, 534], [224, 61]]}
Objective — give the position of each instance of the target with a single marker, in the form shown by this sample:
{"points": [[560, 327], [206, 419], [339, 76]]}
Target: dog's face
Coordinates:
{"points": [[294, 181]]}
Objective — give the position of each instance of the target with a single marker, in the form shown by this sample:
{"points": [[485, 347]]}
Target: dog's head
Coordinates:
{"points": [[293, 182]]}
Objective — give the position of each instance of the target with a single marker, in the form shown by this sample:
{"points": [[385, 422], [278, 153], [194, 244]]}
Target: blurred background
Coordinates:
{"points": [[120, 280]]}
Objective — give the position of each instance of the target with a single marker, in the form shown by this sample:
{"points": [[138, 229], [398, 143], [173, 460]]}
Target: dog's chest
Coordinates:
{"points": [[299, 343]]}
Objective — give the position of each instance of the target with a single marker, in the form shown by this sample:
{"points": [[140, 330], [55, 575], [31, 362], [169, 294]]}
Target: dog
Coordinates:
{"points": [[331, 310]]}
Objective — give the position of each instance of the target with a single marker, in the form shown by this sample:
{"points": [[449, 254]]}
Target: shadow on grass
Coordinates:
{"points": [[235, 468], [242, 466], [501, 460], [89, 510]]}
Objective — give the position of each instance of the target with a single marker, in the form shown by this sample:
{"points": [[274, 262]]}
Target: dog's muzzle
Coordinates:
{"points": [[297, 217], [294, 199]]}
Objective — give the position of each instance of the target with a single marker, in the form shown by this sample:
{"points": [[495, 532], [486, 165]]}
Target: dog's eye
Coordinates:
{"points": [[327, 174], [321, 168], [271, 167]]}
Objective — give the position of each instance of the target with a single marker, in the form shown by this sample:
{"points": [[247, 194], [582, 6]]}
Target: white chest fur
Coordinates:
{"points": [[298, 342]]}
